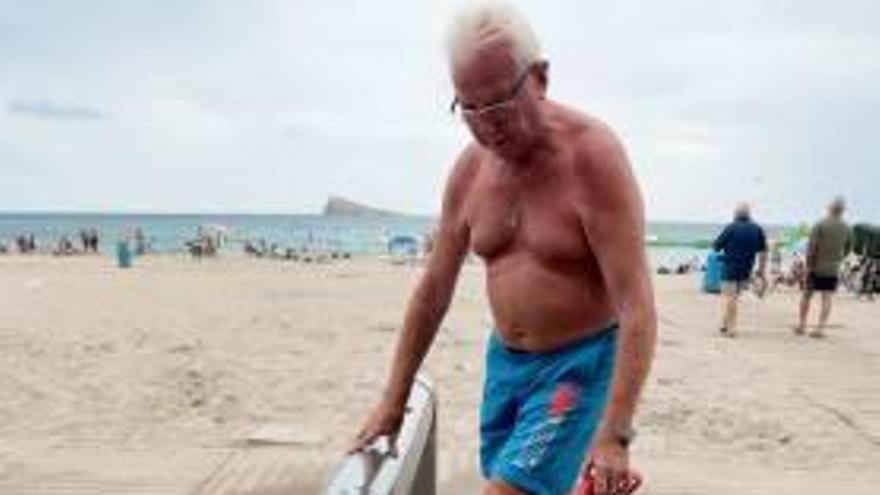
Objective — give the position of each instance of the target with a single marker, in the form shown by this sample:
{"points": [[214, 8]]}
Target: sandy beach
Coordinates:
{"points": [[152, 380]]}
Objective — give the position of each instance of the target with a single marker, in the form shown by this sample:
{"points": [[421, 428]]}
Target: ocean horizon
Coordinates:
{"points": [[669, 241]]}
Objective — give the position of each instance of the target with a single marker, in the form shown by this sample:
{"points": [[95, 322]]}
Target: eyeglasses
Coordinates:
{"points": [[501, 106]]}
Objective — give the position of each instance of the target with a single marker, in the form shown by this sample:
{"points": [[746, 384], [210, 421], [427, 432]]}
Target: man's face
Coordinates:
{"points": [[497, 98]]}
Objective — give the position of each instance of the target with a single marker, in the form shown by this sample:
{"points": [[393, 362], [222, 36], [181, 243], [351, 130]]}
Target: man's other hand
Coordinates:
{"points": [[610, 469], [384, 420]]}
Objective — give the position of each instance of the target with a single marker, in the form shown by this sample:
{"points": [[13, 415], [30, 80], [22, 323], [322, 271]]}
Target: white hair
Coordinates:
{"points": [[485, 18]]}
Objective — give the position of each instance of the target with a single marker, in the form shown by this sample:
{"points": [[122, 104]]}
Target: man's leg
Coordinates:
{"points": [[804, 311], [723, 310], [732, 308], [824, 313], [725, 303], [501, 488], [731, 296], [556, 420], [498, 412]]}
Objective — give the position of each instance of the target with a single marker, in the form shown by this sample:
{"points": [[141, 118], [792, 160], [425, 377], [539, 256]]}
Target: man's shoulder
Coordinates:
{"points": [[838, 223], [469, 159], [837, 227], [725, 232], [737, 229], [596, 151], [587, 133], [745, 227], [464, 171], [824, 226]]}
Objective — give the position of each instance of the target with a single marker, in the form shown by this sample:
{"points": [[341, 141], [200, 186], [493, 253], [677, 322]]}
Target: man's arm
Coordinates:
{"points": [[762, 254], [850, 240], [427, 306], [762, 264], [431, 298], [721, 242], [812, 247], [615, 227]]}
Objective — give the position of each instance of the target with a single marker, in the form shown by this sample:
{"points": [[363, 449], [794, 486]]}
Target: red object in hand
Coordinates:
{"points": [[587, 485]]}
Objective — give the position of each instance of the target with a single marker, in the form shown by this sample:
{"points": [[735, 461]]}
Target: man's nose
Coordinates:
{"points": [[496, 119], [494, 123]]}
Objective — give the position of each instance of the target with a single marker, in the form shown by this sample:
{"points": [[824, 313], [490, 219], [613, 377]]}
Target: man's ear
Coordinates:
{"points": [[542, 75]]}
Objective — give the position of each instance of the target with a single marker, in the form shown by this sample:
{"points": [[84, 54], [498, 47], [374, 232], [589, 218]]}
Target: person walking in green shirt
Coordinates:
{"points": [[830, 241]]}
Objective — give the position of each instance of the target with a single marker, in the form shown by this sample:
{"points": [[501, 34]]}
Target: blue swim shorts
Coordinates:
{"points": [[540, 411]]}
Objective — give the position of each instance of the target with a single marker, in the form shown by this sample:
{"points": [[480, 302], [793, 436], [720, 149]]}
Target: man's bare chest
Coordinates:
{"points": [[538, 217]]}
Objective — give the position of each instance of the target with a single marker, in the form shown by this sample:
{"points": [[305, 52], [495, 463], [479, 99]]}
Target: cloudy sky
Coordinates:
{"points": [[269, 106]]}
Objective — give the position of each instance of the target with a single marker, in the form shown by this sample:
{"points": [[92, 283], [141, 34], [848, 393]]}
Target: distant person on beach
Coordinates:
{"points": [[830, 241], [797, 272], [94, 239], [86, 240], [870, 283], [546, 197], [776, 274], [27, 243], [65, 246], [140, 241], [740, 242]]}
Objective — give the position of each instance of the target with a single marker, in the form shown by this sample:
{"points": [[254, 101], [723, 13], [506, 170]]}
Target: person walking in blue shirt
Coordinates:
{"points": [[741, 242]]}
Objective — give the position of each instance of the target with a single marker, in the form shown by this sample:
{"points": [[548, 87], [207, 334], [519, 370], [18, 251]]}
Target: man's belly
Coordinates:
{"points": [[540, 309]]}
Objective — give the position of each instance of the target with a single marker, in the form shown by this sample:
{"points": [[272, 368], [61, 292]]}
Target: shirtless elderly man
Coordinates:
{"points": [[546, 197]]}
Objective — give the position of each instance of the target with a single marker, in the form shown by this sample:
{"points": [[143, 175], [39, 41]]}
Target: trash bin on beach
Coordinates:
{"points": [[123, 254], [712, 275]]}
